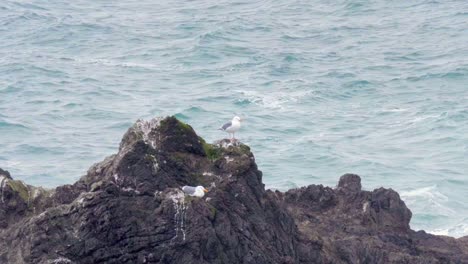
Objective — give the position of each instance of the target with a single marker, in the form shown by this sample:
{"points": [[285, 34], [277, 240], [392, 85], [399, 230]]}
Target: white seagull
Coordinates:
{"points": [[198, 191], [232, 127]]}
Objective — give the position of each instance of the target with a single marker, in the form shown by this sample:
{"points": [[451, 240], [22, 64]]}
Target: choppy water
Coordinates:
{"points": [[378, 88]]}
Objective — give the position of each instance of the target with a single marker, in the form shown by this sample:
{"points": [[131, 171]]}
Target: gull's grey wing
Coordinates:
{"points": [[225, 126], [188, 189]]}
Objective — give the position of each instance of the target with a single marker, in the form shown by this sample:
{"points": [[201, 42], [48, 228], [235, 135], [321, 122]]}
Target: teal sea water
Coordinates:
{"points": [[377, 88]]}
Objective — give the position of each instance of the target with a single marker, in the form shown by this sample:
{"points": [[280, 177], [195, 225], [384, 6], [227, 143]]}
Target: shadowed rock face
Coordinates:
{"points": [[129, 209]]}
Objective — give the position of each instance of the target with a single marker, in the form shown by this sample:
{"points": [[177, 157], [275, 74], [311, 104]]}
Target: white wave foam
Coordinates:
{"points": [[272, 100], [113, 63], [395, 110], [421, 118], [12, 163], [427, 199], [458, 230], [123, 64], [425, 192]]}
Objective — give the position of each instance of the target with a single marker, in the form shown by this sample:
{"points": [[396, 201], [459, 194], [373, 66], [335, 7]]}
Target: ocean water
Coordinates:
{"points": [[377, 88]]}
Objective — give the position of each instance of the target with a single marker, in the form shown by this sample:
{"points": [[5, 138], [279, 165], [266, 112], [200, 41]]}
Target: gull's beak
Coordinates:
{"points": [[205, 190]]}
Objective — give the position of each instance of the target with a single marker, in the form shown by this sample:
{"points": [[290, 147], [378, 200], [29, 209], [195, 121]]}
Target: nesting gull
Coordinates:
{"points": [[198, 191], [232, 127]]}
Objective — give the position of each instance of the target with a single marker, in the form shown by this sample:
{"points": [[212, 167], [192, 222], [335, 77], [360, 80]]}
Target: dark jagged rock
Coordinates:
{"points": [[129, 209], [5, 174]]}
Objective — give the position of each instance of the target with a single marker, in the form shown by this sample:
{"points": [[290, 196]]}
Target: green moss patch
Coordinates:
{"points": [[212, 152], [185, 126], [244, 148], [176, 123], [20, 188]]}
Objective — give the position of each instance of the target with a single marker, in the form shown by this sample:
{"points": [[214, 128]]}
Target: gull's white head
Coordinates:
{"points": [[237, 119], [200, 191]]}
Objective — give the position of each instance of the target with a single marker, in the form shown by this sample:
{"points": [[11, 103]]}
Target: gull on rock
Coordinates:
{"points": [[198, 191], [232, 127]]}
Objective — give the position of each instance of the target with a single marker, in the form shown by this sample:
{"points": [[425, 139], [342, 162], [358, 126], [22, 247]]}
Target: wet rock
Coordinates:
{"points": [[129, 209]]}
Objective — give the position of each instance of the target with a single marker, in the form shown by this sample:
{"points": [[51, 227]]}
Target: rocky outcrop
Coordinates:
{"points": [[129, 209]]}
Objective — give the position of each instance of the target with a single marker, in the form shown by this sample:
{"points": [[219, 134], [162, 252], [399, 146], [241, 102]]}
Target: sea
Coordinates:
{"points": [[377, 88]]}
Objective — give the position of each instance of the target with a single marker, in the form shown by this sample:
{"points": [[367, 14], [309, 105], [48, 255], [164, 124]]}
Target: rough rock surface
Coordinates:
{"points": [[129, 209]]}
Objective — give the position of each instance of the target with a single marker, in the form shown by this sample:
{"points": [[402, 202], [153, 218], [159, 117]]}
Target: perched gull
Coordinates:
{"points": [[232, 127], [198, 191]]}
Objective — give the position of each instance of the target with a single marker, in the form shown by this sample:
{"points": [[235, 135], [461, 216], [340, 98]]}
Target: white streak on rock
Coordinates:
{"points": [[180, 208], [156, 167], [146, 127], [3, 182], [365, 206], [60, 260], [228, 159]]}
